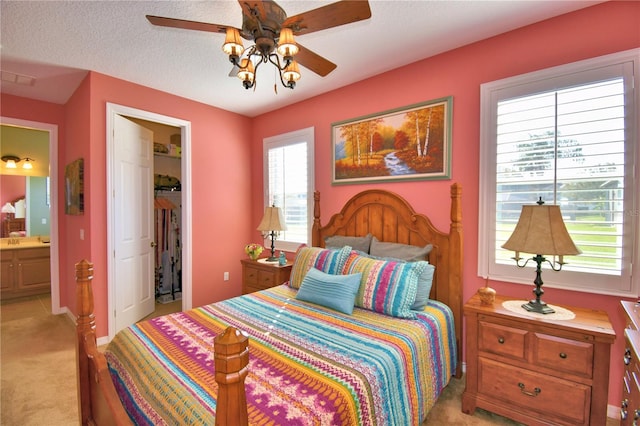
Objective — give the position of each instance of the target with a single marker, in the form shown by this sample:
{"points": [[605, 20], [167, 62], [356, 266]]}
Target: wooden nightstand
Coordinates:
{"points": [[258, 275], [537, 370], [630, 405]]}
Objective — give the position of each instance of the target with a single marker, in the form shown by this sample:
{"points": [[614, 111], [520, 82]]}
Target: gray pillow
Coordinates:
{"points": [[405, 252], [357, 243]]}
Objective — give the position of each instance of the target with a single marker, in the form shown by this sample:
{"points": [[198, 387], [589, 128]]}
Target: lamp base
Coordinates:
{"points": [[271, 259], [538, 307]]}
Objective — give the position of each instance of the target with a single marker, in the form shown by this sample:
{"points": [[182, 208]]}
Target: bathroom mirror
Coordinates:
{"points": [[33, 184]]}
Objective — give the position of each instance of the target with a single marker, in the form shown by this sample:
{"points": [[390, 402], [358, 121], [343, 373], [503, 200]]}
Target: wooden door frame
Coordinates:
{"points": [[186, 233]]}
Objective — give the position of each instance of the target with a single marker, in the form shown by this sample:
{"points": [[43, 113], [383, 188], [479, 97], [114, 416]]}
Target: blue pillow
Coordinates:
{"points": [[425, 280], [337, 292]]}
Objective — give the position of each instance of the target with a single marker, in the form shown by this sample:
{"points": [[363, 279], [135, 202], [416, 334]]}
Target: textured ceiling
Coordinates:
{"points": [[56, 42]]}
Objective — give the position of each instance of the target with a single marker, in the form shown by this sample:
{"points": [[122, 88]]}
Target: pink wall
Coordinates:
{"points": [[45, 112], [11, 188], [227, 151], [219, 177], [591, 32]]}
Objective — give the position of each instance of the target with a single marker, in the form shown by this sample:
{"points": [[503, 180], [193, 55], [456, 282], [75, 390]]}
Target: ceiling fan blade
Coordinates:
{"points": [[187, 25], [331, 15], [314, 62]]}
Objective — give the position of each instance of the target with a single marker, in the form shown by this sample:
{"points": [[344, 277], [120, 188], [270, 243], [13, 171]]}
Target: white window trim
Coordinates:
{"points": [[303, 135], [629, 285]]}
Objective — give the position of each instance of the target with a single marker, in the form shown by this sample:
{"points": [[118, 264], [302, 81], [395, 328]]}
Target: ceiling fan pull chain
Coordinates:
{"points": [[275, 82]]}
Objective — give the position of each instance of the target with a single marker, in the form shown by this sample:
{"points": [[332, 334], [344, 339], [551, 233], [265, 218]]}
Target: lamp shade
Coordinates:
{"points": [[541, 230], [292, 72], [273, 220], [286, 45], [247, 73], [232, 43], [8, 208]]}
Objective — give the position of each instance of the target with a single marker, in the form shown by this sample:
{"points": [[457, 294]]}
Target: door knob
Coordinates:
{"points": [[153, 244]]}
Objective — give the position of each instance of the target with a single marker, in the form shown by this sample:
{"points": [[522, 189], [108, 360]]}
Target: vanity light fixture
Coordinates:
{"points": [[12, 162]]}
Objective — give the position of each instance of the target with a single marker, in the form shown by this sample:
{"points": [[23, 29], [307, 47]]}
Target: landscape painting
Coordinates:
{"points": [[409, 143]]}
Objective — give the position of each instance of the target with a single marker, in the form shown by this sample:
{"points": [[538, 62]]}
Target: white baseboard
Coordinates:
{"points": [[99, 341], [613, 412]]}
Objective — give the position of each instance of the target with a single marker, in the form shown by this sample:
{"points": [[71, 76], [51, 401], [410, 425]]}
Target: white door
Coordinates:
{"points": [[133, 233]]}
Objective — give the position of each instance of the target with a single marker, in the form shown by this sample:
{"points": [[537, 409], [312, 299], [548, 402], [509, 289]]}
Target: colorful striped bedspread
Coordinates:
{"points": [[308, 365]]}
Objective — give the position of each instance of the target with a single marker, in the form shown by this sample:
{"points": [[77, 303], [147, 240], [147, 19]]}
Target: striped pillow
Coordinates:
{"points": [[329, 261], [336, 292], [387, 286]]}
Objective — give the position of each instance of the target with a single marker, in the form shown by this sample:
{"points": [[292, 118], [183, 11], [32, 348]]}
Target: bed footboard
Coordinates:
{"points": [[97, 398], [98, 401]]}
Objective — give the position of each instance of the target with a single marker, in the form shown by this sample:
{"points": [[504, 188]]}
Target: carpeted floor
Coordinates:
{"points": [[38, 387]]}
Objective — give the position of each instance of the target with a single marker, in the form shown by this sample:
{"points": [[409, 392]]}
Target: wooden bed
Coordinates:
{"points": [[385, 215]]}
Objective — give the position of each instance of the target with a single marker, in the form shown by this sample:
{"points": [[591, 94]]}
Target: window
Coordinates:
{"points": [[288, 184], [565, 134]]}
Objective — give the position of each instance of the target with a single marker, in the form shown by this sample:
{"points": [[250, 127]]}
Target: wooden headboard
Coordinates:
{"points": [[390, 218]]}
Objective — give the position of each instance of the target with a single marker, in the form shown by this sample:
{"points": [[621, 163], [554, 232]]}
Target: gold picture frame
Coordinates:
{"points": [[408, 143]]}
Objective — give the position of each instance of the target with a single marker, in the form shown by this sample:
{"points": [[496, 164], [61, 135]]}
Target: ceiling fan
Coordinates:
{"points": [[266, 24]]}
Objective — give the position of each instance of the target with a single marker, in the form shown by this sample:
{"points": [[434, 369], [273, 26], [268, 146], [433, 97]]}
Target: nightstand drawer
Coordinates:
{"points": [[266, 279], [568, 355], [251, 277], [566, 401], [258, 275], [501, 340]]}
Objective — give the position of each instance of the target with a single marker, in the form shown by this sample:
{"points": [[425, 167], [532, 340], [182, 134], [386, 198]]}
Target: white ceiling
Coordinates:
{"points": [[58, 41]]}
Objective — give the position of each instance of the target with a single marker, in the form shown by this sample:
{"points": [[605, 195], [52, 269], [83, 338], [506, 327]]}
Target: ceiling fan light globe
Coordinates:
{"points": [[11, 164]]}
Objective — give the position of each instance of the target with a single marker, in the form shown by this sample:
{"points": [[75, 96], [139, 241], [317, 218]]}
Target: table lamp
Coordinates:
{"points": [[271, 224], [541, 231]]}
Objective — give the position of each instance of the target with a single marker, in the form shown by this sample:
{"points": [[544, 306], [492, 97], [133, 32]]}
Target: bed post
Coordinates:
{"points": [[455, 268], [231, 360], [315, 230], [85, 323]]}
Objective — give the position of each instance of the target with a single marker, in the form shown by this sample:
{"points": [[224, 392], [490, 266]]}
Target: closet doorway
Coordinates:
{"points": [[169, 215], [167, 211]]}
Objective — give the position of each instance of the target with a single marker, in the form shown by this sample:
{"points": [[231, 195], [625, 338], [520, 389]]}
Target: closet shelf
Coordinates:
{"points": [[160, 154]]}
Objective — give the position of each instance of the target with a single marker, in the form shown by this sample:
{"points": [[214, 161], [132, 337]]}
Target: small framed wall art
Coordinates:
{"points": [[74, 187]]}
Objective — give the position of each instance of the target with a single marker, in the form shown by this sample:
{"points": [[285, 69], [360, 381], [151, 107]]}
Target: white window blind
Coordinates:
{"points": [[288, 183], [564, 135]]}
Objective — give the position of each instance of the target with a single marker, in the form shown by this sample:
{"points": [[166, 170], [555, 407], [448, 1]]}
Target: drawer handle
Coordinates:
{"points": [[623, 409], [535, 392], [501, 340], [563, 355]]}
